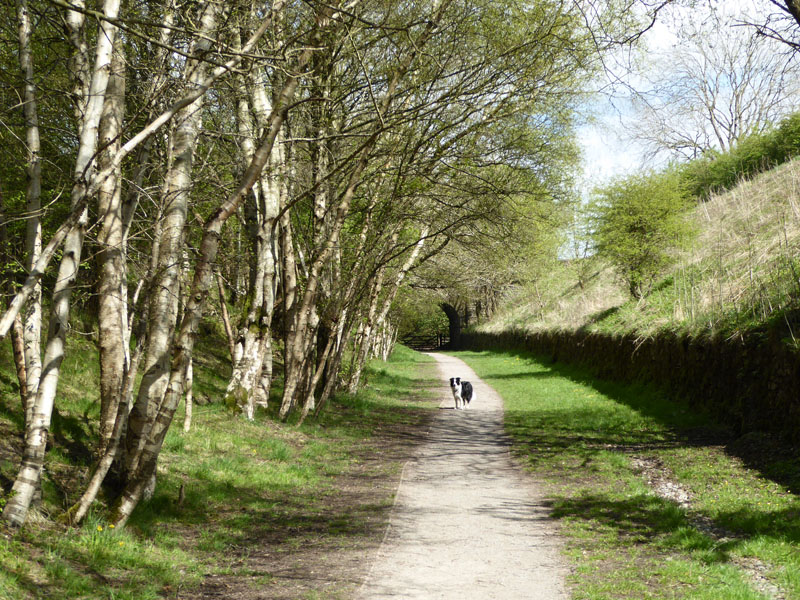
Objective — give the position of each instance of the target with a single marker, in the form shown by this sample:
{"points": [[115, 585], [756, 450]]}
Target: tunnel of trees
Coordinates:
{"points": [[287, 170]]}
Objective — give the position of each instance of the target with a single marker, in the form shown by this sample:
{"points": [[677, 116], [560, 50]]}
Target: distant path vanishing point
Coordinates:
{"points": [[467, 524]]}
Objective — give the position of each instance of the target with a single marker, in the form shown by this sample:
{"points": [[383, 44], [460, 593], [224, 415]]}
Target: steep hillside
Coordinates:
{"points": [[742, 272]]}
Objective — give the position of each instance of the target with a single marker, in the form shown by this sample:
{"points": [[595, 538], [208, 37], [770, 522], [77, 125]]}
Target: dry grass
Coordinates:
{"points": [[566, 298], [747, 236], [742, 269]]}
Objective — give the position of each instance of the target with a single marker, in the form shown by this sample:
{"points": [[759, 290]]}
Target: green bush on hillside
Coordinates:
{"points": [[719, 171], [636, 222]]}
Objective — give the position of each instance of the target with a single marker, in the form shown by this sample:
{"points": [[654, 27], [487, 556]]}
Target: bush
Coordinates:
{"points": [[637, 221], [719, 171]]}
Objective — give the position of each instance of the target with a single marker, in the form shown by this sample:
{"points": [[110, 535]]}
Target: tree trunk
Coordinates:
{"points": [[32, 321], [310, 403], [163, 310], [112, 290], [29, 475], [248, 386], [365, 337], [226, 318], [188, 383]]}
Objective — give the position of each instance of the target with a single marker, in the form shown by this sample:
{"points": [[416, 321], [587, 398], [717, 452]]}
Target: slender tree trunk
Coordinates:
{"points": [[341, 339], [32, 321], [188, 384], [112, 290], [365, 338], [289, 273], [226, 318], [75, 22], [28, 478], [163, 310], [249, 383], [309, 403], [395, 287]]}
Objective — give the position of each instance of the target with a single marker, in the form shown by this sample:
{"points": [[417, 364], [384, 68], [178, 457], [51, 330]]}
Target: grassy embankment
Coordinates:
{"points": [[741, 273], [650, 502], [266, 504]]}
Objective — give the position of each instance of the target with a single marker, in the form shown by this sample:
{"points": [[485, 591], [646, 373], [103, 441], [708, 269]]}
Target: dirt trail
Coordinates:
{"points": [[467, 524]]}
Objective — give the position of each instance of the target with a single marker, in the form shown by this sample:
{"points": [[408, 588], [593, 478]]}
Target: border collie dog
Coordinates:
{"points": [[462, 392]]}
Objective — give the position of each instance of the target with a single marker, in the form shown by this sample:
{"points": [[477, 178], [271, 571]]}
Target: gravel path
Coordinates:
{"points": [[467, 524]]}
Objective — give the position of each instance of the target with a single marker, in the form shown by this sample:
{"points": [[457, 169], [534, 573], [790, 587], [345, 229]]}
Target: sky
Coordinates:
{"points": [[607, 151]]}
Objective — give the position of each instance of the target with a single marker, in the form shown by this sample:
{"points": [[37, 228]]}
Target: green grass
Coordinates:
{"points": [[248, 486], [582, 436]]}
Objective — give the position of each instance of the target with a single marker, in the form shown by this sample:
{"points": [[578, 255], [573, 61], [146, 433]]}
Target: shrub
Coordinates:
{"points": [[637, 221], [718, 171]]}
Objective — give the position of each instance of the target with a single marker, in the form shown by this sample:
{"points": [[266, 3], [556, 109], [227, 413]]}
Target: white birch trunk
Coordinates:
{"points": [[112, 289], [395, 287], [365, 339], [29, 475], [246, 369], [226, 318], [32, 321], [163, 310], [188, 403]]}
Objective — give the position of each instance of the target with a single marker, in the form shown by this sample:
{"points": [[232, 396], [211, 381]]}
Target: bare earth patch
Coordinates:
{"points": [[662, 483], [312, 554]]}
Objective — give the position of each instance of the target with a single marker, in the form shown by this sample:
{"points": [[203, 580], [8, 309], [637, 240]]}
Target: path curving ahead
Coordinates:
{"points": [[467, 524]]}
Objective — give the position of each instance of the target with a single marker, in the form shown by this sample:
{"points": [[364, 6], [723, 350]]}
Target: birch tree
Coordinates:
{"points": [[298, 340], [167, 398], [163, 309], [27, 479], [254, 356], [32, 322]]}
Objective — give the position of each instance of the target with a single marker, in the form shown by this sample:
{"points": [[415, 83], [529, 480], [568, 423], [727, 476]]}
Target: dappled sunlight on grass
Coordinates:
{"points": [[226, 489], [581, 436]]}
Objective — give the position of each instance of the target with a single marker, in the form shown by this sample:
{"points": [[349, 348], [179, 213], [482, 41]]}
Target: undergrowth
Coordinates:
{"points": [[224, 489]]}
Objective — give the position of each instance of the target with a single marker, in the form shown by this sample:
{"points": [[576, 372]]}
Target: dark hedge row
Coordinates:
{"points": [[751, 385]]}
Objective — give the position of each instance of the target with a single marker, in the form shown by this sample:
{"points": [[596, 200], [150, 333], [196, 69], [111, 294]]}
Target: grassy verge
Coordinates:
{"points": [[266, 508], [652, 500]]}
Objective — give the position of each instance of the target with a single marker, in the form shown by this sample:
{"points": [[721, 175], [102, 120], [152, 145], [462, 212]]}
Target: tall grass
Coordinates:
{"points": [[742, 272]]}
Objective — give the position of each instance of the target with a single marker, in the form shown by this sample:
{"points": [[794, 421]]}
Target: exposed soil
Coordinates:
{"points": [[323, 555]]}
